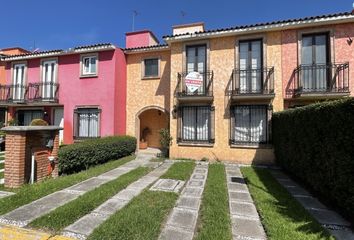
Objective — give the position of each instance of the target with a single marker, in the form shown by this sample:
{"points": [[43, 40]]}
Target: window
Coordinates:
{"points": [[48, 79], [18, 92], [196, 60], [314, 58], [196, 124], [86, 123], [25, 117], [249, 124], [151, 67], [251, 64], [89, 65]]}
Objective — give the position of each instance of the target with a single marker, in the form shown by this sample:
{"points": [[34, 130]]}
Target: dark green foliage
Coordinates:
{"points": [[316, 144], [80, 156]]}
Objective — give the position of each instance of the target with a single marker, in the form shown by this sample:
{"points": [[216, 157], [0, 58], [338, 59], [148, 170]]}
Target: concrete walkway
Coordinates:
{"points": [[27, 213], [332, 221], [85, 225], [182, 220], [245, 220]]}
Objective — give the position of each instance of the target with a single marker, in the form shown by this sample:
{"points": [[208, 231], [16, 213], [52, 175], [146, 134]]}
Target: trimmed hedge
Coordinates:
{"points": [[315, 143], [81, 156]]}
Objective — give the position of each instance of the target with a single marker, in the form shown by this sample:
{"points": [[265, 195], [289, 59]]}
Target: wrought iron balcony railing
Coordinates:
{"points": [[20, 93], [43, 91], [205, 89], [252, 81], [322, 78]]}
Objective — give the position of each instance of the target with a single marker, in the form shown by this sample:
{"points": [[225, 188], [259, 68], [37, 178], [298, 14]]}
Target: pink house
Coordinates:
{"points": [[315, 63], [82, 89]]}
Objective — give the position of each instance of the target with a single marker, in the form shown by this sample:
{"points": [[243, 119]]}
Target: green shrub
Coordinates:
{"points": [[38, 122], [81, 156], [316, 144]]}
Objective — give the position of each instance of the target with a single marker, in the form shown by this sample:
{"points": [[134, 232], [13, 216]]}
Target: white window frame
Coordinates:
{"points": [[55, 77], [24, 80], [82, 67]]}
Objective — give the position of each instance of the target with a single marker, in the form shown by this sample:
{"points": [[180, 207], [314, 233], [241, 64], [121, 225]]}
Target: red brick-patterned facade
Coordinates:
{"points": [[20, 145]]}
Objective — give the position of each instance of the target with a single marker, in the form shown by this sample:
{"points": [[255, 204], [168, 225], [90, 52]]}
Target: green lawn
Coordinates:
{"points": [[1, 175], [180, 171], [1, 165], [70, 212], [29, 193], [214, 219], [142, 218], [282, 216]]}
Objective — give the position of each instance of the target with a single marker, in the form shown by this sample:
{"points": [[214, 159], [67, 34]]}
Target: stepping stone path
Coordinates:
{"points": [[182, 220], [245, 220], [336, 225], [25, 214], [85, 225]]}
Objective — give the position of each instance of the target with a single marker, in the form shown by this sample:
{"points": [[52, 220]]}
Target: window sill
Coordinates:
{"points": [[150, 78], [257, 146], [89, 76], [80, 139], [195, 144]]}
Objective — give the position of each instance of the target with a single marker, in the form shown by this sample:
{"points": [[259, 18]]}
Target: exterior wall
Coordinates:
{"points": [[105, 91], [340, 51], [221, 62], [140, 39], [9, 51], [144, 94]]}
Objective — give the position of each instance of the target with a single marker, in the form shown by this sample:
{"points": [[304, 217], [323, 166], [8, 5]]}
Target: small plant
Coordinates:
{"points": [[38, 122], [165, 141], [12, 122]]}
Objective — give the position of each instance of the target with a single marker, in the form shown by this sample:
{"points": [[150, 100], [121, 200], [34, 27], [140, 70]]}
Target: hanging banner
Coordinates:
{"points": [[193, 81]]}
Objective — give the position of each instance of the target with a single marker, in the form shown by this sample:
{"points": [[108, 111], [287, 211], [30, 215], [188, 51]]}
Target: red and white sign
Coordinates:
{"points": [[193, 81]]}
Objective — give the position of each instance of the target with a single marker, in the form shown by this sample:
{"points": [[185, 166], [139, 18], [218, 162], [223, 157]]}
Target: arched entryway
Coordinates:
{"points": [[149, 121]]}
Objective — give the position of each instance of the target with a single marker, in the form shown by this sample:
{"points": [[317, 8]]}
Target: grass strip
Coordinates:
{"points": [[214, 219], [142, 218], [1, 175], [180, 171], [2, 165], [282, 216], [29, 193], [72, 211]]}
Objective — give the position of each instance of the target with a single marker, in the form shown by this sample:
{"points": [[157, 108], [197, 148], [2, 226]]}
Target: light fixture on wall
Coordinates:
{"points": [[349, 41]]}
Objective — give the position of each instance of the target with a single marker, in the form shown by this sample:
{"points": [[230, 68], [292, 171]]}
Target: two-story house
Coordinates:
{"points": [[224, 84], [82, 89]]}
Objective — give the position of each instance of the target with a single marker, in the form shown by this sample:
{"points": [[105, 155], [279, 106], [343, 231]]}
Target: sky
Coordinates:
{"points": [[62, 24]]}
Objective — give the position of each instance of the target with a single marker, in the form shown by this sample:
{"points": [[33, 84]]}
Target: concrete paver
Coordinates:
{"points": [[85, 225], [27, 213], [336, 225], [182, 221], [245, 220]]}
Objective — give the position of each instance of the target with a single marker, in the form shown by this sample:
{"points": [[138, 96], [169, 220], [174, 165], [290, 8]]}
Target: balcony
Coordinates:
{"points": [[321, 80], [202, 92], [252, 84], [32, 93]]}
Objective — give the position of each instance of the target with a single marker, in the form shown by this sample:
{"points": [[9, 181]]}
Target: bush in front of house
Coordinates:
{"points": [[316, 144], [38, 122], [81, 156]]}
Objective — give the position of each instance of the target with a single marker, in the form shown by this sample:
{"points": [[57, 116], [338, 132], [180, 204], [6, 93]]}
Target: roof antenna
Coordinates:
{"points": [[135, 13], [183, 14]]}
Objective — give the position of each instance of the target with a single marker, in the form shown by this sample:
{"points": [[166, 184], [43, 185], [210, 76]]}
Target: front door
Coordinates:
{"points": [[250, 61], [314, 60], [59, 121], [196, 62], [49, 72], [18, 81]]}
